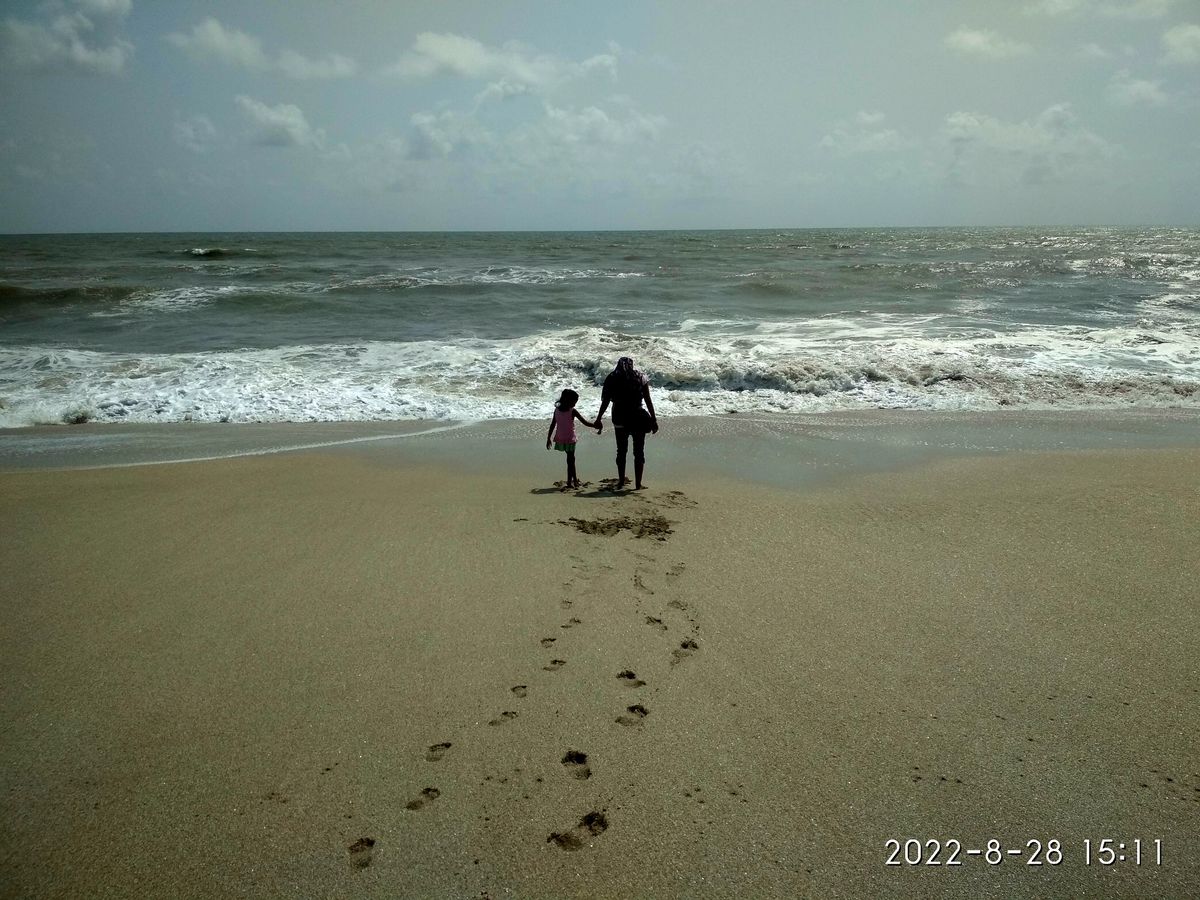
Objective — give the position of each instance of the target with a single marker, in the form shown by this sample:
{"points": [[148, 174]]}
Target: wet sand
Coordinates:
{"points": [[391, 674]]}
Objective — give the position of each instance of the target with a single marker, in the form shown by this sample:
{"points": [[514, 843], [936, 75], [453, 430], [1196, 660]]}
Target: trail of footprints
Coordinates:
{"points": [[641, 522]]}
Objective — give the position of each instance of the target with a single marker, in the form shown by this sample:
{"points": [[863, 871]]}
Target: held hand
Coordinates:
{"points": [[654, 426], [599, 428]]}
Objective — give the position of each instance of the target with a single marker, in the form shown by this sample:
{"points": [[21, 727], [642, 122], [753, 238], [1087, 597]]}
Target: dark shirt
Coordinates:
{"points": [[625, 394]]}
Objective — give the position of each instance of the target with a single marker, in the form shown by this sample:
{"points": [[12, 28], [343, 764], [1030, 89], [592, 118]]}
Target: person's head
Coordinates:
{"points": [[625, 370], [568, 399]]}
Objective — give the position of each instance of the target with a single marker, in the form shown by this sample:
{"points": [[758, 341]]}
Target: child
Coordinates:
{"points": [[562, 429]]}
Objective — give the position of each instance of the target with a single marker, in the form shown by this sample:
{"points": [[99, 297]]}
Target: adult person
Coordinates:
{"points": [[625, 388]]}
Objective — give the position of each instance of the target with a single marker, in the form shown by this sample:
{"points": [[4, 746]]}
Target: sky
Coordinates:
{"points": [[171, 115]]}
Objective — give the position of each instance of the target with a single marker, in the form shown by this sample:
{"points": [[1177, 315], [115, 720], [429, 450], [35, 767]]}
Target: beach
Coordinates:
{"points": [[415, 668]]}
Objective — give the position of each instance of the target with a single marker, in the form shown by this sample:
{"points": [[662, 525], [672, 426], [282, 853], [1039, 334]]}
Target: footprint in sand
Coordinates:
{"points": [[675, 498], [677, 604], [437, 751], [546, 642], [555, 665], [576, 764], [637, 712], [657, 623], [427, 796], [684, 650], [641, 585], [564, 604], [506, 716], [360, 852], [591, 825], [520, 690], [572, 622], [630, 679], [676, 570]]}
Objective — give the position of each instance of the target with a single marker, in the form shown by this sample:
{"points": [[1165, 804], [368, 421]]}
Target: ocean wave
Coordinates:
{"points": [[809, 368], [180, 298], [92, 294], [431, 277], [217, 252]]}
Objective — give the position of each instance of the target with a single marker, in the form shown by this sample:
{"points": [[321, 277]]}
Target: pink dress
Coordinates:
{"points": [[564, 426]]}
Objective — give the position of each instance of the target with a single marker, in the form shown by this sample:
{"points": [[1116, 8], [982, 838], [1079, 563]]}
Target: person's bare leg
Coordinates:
{"points": [[622, 450]]}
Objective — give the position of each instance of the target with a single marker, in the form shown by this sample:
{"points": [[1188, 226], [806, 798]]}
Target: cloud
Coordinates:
{"points": [[195, 132], [1182, 44], [866, 134], [280, 126], [83, 37], [1058, 7], [1125, 90], [117, 9], [1051, 147], [444, 134], [1113, 9], [985, 44], [1137, 9], [1094, 51], [514, 67], [501, 90], [592, 126], [212, 40]]}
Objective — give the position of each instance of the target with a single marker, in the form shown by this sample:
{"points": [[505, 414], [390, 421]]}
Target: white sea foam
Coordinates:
{"points": [[813, 365], [425, 276], [180, 298]]}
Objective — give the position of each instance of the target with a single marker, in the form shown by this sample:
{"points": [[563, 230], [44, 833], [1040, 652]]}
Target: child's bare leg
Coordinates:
{"points": [[572, 477]]}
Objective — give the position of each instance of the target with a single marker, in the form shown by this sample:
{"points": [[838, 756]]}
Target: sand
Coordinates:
{"points": [[328, 674]]}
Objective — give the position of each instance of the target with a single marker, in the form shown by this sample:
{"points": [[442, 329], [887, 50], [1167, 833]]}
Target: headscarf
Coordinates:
{"points": [[626, 371]]}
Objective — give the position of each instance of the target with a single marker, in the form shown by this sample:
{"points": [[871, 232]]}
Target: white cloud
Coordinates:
{"points": [[1094, 51], [513, 65], [866, 134], [501, 90], [1137, 9], [1114, 9], [1058, 7], [445, 133], [1053, 146], [116, 9], [195, 132], [592, 126], [1182, 44], [280, 126], [83, 37], [1125, 90], [985, 44], [212, 40]]}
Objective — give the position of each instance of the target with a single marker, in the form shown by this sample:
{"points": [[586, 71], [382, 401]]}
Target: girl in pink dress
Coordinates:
{"points": [[562, 430]]}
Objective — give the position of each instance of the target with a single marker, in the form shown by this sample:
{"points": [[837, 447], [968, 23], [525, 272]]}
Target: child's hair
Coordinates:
{"points": [[568, 399]]}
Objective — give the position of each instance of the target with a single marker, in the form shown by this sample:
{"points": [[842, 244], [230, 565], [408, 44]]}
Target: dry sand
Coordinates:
{"points": [[322, 675]]}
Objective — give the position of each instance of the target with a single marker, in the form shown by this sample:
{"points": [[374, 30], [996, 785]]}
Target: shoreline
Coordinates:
{"points": [[233, 677], [753, 446]]}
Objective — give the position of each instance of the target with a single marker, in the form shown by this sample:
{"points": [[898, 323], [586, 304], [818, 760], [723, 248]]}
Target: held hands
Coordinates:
{"points": [[599, 427]]}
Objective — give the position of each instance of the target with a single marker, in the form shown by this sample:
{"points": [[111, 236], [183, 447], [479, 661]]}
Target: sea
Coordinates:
{"points": [[337, 327]]}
